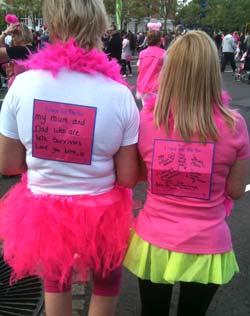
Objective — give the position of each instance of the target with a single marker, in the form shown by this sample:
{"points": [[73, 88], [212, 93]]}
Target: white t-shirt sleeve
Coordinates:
{"points": [[8, 122], [131, 118]]}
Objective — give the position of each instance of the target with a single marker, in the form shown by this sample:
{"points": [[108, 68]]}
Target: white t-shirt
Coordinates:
{"points": [[125, 49], [71, 127]]}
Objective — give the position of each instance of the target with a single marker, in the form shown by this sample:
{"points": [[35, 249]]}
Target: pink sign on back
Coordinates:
{"points": [[182, 169], [63, 132]]}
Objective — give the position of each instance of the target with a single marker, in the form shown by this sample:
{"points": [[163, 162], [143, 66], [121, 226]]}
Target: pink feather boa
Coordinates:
{"points": [[70, 56]]}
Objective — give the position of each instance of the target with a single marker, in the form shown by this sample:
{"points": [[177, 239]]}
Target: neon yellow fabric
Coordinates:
{"points": [[159, 265]]}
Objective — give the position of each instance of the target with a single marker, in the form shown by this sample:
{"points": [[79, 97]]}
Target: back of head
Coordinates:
{"points": [[153, 37], [23, 34], [190, 84], [83, 20], [179, 30]]}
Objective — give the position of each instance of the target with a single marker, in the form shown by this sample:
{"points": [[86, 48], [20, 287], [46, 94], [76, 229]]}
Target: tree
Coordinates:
{"points": [[168, 8], [23, 8], [138, 9], [110, 7], [223, 15]]}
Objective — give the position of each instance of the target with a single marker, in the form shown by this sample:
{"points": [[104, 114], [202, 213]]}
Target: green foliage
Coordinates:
{"points": [[110, 6], [141, 9], [223, 15], [21, 8]]}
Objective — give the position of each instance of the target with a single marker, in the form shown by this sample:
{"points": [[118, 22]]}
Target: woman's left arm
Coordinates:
{"points": [[12, 156], [126, 165]]}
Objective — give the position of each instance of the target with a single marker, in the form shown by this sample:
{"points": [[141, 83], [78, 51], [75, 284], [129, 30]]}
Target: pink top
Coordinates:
{"points": [[185, 209], [150, 64]]}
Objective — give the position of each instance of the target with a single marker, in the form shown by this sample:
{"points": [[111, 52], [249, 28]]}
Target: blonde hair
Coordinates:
{"points": [[190, 83], [23, 33], [84, 20]]}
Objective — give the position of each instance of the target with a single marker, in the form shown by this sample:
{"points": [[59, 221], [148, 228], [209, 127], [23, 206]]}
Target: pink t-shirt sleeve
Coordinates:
{"points": [[243, 139]]}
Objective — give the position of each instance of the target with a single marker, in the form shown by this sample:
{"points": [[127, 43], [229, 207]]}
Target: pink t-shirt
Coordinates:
{"points": [[150, 64], [185, 209]]}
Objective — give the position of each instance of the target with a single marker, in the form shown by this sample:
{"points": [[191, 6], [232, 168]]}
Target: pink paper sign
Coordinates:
{"points": [[63, 132], [182, 169]]}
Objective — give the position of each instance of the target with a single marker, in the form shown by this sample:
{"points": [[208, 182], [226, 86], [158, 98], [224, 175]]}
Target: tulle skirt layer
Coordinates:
{"points": [[51, 236], [159, 265]]}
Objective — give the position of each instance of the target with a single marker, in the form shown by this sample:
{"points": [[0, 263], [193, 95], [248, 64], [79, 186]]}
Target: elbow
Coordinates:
{"points": [[4, 169], [128, 182], [236, 194], [13, 171]]}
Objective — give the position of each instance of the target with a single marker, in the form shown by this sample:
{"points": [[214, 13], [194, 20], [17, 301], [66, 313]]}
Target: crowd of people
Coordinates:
{"points": [[84, 146], [233, 47], [17, 42], [236, 51]]}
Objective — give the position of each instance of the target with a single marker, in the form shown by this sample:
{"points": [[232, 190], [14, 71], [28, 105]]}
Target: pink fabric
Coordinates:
{"points": [[103, 286], [185, 224], [89, 232], [53, 286], [150, 64], [68, 55], [108, 286]]}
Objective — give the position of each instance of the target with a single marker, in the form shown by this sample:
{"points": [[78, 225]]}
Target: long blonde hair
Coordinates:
{"points": [[190, 83], [84, 20]]}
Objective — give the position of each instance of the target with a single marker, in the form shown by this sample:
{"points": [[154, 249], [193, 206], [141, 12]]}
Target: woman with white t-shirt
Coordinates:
{"points": [[126, 56], [71, 125]]}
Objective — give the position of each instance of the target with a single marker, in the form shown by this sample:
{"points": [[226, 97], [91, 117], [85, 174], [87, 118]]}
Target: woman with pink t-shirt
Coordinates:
{"points": [[195, 153], [149, 65]]}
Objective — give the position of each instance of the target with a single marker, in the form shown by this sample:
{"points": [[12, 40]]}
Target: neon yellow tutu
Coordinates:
{"points": [[159, 265]]}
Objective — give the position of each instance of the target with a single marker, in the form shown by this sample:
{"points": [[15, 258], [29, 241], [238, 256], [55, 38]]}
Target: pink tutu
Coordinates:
{"points": [[51, 236]]}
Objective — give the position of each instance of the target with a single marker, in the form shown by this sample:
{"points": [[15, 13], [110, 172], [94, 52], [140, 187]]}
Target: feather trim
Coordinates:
{"points": [[68, 55]]}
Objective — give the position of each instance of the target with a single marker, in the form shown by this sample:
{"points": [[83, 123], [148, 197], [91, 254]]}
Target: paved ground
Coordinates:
{"points": [[232, 299]]}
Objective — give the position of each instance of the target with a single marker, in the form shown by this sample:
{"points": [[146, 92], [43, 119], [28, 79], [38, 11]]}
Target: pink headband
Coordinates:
{"points": [[154, 26]]}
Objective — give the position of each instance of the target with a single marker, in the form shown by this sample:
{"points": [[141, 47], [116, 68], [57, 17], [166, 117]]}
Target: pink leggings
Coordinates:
{"points": [[108, 286]]}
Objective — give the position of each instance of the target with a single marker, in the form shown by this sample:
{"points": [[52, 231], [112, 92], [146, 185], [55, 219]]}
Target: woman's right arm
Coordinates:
{"points": [[12, 156], [237, 179]]}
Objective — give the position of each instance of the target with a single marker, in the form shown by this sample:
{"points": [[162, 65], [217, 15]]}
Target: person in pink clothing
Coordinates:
{"points": [[195, 157], [68, 220], [149, 66]]}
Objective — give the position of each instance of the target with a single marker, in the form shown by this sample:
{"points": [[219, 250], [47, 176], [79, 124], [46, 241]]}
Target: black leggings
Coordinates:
{"points": [[194, 298], [126, 63]]}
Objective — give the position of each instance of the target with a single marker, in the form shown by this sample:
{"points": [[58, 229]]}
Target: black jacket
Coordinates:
{"points": [[114, 49]]}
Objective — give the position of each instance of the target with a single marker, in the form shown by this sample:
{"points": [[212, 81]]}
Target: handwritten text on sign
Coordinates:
{"points": [[182, 169], [63, 132]]}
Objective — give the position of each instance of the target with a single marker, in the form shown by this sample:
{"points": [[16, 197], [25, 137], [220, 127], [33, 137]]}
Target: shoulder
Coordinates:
{"points": [[240, 121], [240, 131], [144, 52]]}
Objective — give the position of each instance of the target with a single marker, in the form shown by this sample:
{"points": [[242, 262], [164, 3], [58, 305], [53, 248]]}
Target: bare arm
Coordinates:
{"points": [[8, 31], [3, 53], [126, 163], [143, 172], [237, 179], [12, 156]]}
